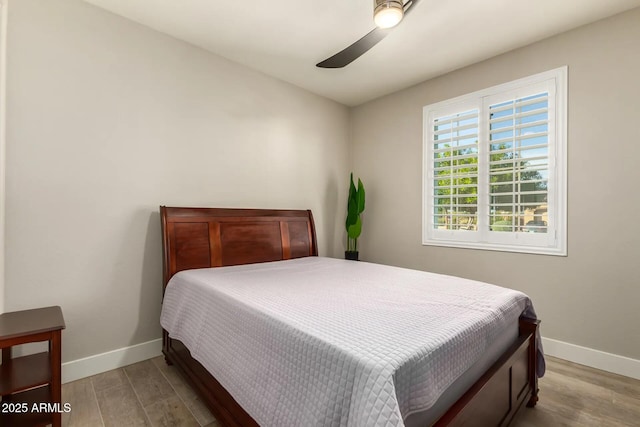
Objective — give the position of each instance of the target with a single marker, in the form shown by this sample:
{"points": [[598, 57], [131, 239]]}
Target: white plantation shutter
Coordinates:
{"points": [[494, 168], [519, 164], [455, 170]]}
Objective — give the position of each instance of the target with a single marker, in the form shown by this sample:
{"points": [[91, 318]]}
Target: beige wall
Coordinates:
{"points": [[589, 298], [107, 120], [3, 41]]}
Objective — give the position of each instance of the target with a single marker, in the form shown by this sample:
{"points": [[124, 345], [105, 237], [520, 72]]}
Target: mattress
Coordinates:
{"points": [[327, 342]]}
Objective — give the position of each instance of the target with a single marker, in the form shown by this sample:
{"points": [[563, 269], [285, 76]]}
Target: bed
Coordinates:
{"points": [[261, 336]]}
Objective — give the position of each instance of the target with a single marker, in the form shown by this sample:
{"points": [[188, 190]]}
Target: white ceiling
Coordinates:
{"points": [[286, 38]]}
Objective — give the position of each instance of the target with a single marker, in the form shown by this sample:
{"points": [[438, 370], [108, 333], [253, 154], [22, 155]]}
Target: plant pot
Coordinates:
{"points": [[351, 255]]}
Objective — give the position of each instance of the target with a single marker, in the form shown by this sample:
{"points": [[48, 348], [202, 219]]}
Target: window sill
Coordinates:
{"points": [[536, 250]]}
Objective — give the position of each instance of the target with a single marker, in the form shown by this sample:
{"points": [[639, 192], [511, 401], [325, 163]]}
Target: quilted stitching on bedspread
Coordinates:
{"points": [[325, 342]]}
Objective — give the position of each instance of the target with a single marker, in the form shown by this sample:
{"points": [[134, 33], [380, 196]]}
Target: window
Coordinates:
{"points": [[495, 167]]}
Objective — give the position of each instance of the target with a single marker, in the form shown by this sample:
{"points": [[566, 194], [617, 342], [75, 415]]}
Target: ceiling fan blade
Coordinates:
{"points": [[353, 52]]}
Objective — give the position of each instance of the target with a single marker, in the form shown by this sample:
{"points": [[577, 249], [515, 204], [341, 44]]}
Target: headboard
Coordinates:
{"points": [[215, 237]]}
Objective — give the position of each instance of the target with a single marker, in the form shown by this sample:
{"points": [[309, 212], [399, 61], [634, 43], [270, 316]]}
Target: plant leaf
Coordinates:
{"points": [[352, 213], [360, 196], [352, 187], [353, 231], [352, 204]]}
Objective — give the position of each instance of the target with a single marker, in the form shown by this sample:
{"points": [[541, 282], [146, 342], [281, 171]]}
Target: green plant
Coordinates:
{"points": [[355, 206]]}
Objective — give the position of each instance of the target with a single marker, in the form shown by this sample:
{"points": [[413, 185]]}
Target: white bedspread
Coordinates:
{"points": [[327, 342]]}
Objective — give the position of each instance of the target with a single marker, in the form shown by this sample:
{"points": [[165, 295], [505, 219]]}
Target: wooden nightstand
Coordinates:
{"points": [[34, 379]]}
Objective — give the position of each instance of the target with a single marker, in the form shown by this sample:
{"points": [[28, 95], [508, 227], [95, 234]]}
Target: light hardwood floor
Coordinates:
{"points": [[576, 395], [150, 393]]}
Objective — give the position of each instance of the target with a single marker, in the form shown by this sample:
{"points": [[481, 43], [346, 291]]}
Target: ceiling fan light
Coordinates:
{"points": [[388, 13]]}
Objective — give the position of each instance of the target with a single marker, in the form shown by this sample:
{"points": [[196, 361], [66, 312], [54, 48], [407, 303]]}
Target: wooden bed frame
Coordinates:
{"points": [[212, 237]]}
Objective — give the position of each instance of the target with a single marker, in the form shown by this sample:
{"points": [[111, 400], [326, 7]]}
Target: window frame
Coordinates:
{"points": [[554, 241]]}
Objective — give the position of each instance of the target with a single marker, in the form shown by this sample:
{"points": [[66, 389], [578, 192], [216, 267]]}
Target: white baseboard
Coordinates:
{"points": [[609, 362], [92, 365]]}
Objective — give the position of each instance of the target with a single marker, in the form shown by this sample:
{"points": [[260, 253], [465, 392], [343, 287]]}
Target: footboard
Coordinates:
{"points": [[498, 395]]}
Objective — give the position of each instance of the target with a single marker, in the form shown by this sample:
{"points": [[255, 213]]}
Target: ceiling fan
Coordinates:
{"points": [[387, 14]]}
